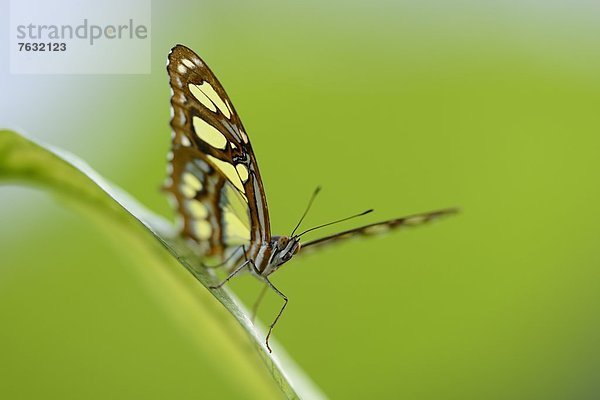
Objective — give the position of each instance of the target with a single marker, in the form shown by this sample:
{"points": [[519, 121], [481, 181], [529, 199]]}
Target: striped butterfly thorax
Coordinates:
{"points": [[216, 184]]}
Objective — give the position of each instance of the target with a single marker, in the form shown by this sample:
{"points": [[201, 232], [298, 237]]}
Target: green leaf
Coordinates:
{"points": [[217, 325]]}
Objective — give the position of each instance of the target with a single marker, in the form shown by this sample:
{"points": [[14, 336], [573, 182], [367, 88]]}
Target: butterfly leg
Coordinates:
{"points": [[279, 293], [258, 301], [285, 299], [231, 275]]}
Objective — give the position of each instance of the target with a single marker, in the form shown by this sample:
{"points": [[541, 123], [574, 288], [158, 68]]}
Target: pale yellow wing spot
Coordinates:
{"points": [[201, 97], [228, 106], [188, 63], [197, 61], [202, 229], [244, 136], [235, 230], [242, 171], [237, 204], [185, 141], [229, 171], [181, 69], [210, 92], [187, 191], [197, 210], [191, 181], [209, 133]]}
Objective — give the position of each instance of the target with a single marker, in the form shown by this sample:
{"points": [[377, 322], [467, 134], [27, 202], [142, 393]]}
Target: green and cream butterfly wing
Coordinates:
{"points": [[213, 212], [213, 175]]}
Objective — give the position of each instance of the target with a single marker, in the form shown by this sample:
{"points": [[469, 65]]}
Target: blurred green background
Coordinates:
{"points": [[400, 106]]}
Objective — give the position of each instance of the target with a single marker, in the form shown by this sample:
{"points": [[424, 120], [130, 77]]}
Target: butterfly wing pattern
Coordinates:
{"points": [[213, 174], [214, 180]]}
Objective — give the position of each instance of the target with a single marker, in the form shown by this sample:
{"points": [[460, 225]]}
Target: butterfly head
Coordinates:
{"points": [[282, 248]]}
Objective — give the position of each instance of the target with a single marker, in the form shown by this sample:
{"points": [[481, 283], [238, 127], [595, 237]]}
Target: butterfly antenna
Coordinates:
{"points": [[336, 222], [312, 198]]}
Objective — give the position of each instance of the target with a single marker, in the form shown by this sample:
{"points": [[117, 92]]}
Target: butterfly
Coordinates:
{"points": [[215, 182]]}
